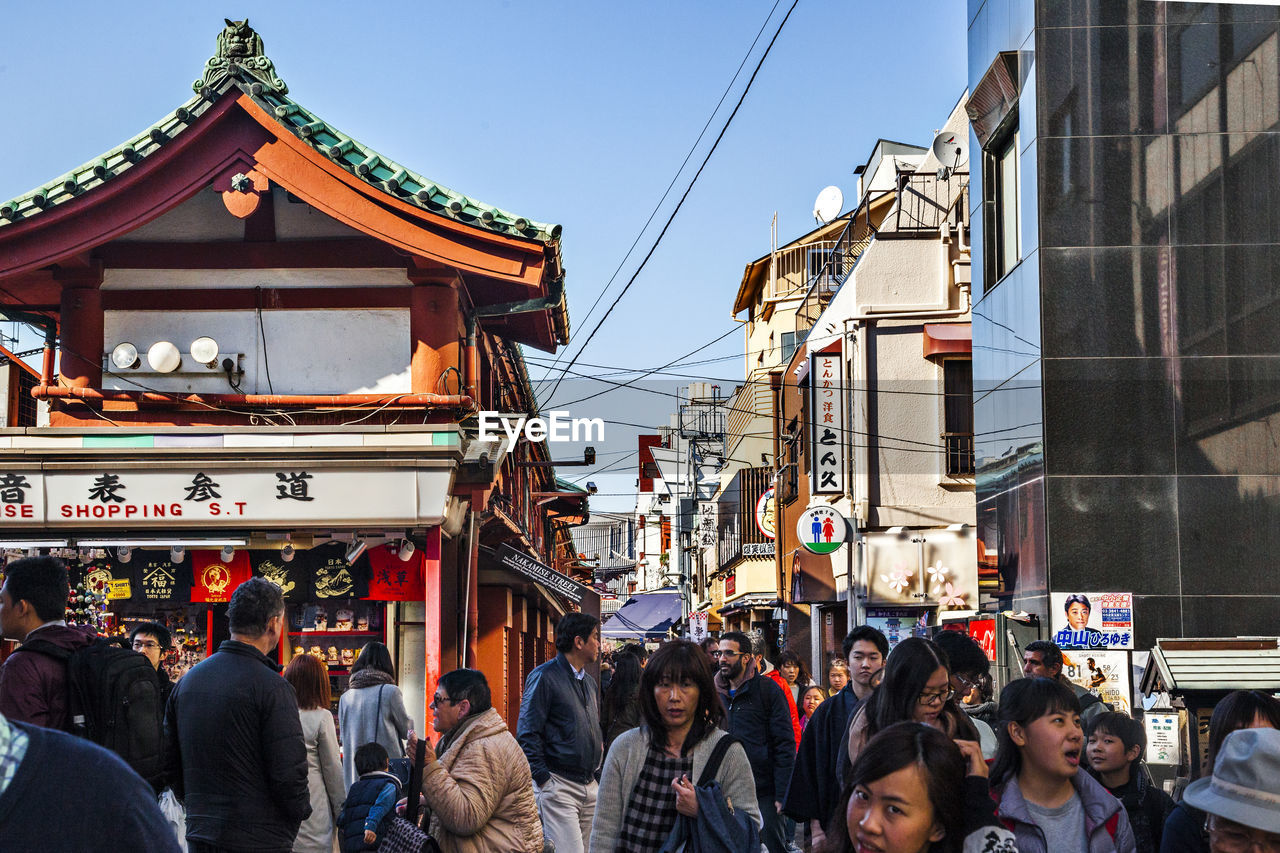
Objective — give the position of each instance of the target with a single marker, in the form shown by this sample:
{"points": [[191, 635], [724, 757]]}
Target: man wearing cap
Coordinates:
{"points": [[1241, 796]]}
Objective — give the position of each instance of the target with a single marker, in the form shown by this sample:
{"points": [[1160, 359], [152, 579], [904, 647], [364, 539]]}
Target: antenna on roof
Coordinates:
{"points": [[827, 205]]}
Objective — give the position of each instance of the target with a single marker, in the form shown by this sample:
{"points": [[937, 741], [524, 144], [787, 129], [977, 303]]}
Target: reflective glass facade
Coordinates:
{"points": [[1127, 370]]}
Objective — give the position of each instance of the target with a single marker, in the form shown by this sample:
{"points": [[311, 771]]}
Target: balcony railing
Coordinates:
{"points": [[959, 450]]}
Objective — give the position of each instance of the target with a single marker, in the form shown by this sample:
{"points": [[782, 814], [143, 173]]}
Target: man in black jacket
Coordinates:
{"points": [[757, 714], [814, 792], [559, 731], [234, 739]]}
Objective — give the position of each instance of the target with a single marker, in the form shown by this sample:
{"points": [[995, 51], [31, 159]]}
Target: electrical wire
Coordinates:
{"points": [[674, 177], [658, 241]]}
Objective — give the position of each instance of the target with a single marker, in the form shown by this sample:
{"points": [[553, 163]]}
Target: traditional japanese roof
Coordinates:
{"points": [[240, 63]]}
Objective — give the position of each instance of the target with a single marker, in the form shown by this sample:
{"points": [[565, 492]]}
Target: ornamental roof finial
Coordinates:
{"points": [[240, 54]]}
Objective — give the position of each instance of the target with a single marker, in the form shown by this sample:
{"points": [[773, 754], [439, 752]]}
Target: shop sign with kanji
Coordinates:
{"points": [[270, 494], [827, 446]]}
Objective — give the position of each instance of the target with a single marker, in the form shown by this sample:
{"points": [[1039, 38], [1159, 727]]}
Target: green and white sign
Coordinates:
{"points": [[821, 529]]}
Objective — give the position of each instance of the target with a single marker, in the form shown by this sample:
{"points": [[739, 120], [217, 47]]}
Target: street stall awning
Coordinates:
{"points": [[644, 616], [765, 601], [1213, 664]]}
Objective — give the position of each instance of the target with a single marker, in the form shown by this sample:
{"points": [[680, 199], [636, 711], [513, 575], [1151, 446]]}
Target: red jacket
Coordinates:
{"points": [[791, 702], [33, 686]]}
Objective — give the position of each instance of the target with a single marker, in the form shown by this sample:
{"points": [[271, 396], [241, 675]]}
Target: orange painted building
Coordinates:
{"points": [[243, 295]]}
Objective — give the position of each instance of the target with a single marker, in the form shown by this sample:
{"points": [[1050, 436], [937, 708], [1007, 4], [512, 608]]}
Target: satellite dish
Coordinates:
{"points": [[949, 148], [828, 204]]}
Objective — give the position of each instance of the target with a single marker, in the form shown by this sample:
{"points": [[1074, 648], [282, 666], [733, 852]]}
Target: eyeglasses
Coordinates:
{"points": [[143, 645], [438, 700], [1234, 838], [936, 698], [718, 654], [967, 682]]}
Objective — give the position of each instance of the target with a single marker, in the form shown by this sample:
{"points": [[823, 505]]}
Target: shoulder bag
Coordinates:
{"points": [[719, 827], [404, 834], [399, 767]]}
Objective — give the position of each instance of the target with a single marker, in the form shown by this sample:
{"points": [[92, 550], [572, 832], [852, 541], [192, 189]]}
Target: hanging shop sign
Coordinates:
{"points": [[698, 626], [269, 494], [1105, 674], [543, 574], [765, 509], [821, 529], [1092, 620], [758, 549], [826, 405]]}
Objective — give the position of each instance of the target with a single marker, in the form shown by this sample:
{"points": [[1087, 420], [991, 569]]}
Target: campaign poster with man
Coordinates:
{"points": [[1092, 620]]}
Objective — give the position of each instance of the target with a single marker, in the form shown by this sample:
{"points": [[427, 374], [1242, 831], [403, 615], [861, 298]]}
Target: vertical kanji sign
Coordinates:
{"points": [[828, 441]]}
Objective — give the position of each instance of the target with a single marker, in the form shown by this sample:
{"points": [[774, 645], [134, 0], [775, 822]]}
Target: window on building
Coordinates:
{"points": [[957, 438], [788, 346], [1003, 241]]}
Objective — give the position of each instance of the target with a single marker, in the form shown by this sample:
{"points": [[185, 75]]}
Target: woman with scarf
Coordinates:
{"points": [[372, 710]]}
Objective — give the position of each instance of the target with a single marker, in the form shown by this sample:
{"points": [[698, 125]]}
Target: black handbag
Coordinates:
{"points": [[404, 835]]}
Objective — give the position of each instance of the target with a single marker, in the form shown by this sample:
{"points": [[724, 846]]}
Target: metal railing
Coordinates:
{"points": [[925, 201]]}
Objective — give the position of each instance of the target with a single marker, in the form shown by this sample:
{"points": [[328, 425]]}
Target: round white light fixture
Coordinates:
{"points": [[177, 554], [124, 553], [125, 356], [205, 350], [286, 553], [164, 357], [406, 551], [228, 554]]}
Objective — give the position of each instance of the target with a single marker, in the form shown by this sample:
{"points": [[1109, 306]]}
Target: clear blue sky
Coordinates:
{"points": [[570, 112]]}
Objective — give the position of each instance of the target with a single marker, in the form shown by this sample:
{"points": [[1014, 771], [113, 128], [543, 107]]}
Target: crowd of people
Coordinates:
{"points": [[692, 747]]}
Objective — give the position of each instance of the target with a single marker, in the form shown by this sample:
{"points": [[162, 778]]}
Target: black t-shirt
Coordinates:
{"points": [[158, 581], [333, 577], [293, 577]]}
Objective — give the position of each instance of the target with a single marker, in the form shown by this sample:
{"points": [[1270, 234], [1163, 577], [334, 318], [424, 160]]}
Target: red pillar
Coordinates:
{"points": [[433, 624], [80, 331]]}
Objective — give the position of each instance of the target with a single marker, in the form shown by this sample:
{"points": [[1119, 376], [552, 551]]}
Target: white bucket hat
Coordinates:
{"points": [[1245, 785]]}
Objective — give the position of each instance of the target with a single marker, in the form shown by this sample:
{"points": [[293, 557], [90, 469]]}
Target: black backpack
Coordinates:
{"points": [[113, 699]]}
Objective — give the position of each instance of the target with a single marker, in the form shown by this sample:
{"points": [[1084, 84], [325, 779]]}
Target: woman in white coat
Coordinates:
{"points": [[310, 680]]}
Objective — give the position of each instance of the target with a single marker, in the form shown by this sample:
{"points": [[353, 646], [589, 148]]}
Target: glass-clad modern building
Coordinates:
{"points": [[1125, 161]]}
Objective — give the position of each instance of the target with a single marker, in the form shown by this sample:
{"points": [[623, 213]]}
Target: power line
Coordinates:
{"points": [[674, 178], [680, 203]]}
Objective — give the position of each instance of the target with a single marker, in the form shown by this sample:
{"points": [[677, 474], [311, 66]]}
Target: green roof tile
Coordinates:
{"points": [[241, 63]]}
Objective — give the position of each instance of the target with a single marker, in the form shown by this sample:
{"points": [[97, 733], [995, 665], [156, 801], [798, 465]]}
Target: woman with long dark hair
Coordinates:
{"points": [[915, 790], [649, 773], [916, 688], [310, 680], [619, 710], [372, 710]]}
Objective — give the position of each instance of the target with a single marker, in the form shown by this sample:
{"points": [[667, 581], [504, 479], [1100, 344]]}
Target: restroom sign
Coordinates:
{"points": [[821, 529]]}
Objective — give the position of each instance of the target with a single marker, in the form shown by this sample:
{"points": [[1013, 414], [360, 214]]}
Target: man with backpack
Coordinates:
{"points": [[757, 715], [33, 605]]}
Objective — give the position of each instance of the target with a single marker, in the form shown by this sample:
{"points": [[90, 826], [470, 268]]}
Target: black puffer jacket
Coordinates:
{"points": [[235, 752]]}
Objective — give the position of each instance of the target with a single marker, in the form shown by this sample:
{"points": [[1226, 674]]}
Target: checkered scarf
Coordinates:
{"points": [[651, 811]]}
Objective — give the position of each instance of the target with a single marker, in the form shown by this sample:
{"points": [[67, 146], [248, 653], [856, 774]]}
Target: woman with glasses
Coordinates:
{"points": [[916, 688]]}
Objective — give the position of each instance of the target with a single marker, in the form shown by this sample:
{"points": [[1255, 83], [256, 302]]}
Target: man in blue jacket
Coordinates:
{"points": [[758, 716], [234, 738], [559, 731]]}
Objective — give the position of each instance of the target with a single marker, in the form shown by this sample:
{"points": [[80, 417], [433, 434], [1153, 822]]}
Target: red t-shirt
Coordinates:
{"points": [[213, 580], [393, 579]]}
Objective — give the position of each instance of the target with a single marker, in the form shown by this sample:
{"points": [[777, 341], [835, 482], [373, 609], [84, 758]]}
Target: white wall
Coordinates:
{"points": [[308, 352]]}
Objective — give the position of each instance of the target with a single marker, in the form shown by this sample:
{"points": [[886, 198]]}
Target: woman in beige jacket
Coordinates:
{"points": [[478, 791]]}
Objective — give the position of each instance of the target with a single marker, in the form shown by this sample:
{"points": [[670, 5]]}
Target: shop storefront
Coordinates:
{"points": [[177, 519]]}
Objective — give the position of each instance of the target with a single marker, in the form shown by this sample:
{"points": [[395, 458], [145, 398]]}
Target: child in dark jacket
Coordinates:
{"points": [[1116, 744], [370, 804]]}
